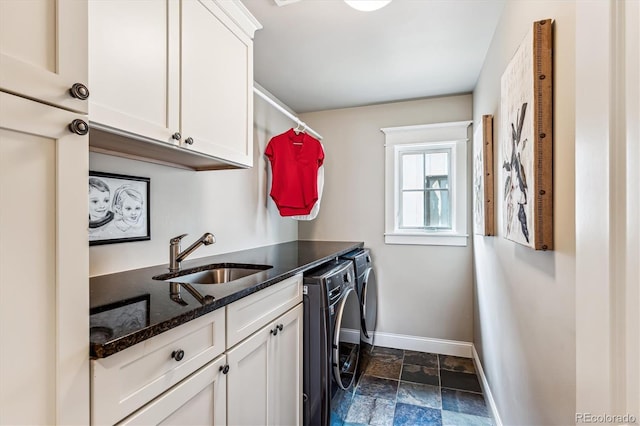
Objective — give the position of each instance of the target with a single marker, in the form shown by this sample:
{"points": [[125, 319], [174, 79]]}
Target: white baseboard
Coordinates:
{"points": [[424, 344], [486, 390]]}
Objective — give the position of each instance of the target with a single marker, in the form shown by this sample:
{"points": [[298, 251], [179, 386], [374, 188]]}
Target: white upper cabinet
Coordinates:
{"points": [[134, 66], [217, 83], [176, 74], [43, 51]]}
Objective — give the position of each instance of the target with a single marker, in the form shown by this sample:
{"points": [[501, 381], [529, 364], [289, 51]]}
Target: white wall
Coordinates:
{"points": [[632, 156], [231, 204], [607, 207], [424, 291], [524, 328]]}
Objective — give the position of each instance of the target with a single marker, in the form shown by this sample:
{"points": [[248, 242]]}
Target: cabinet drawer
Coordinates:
{"points": [[129, 379], [249, 314]]}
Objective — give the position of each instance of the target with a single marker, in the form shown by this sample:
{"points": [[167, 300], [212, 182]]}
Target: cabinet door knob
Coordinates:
{"points": [[177, 136], [79, 127], [79, 91], [280, 327], [224, 368], [177, 355], [189, 141], [275, 331]]}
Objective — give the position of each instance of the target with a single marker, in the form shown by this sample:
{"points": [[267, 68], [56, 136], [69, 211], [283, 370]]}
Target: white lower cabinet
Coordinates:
{"points": [[199, 400], [255, 381], [285, 367], [127, 380], [265, 372]]}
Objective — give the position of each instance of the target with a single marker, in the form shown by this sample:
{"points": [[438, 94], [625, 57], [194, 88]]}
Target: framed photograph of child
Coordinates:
{"points": [[118, 208]]}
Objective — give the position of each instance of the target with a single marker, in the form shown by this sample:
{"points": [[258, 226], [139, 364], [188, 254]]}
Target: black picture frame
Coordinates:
{"points": [[119, 208]]}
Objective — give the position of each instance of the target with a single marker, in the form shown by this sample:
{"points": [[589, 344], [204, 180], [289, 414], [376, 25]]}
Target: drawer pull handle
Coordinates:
{"points": [[275, 330], [224, 368], [79, 91], [177, 355], [79, 127]]}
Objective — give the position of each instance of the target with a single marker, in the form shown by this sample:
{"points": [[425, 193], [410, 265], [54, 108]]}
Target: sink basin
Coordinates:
{"points": [[214, 274]]}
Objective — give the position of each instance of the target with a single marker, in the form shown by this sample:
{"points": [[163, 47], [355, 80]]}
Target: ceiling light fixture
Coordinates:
{"points": [[367, 5]]}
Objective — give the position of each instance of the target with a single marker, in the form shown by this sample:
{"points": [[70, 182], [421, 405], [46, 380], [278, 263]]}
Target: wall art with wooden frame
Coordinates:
{"points": [[526, 141], [483, 201]]}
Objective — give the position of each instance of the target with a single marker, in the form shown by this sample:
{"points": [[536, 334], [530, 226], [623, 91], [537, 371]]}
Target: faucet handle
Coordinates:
{"points": [[176, 240]]}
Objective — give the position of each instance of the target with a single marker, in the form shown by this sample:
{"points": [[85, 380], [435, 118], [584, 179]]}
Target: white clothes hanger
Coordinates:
{"points": [[301, 127]]}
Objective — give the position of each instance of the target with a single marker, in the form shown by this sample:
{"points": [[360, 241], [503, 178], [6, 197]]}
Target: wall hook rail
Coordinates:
{"points": [[299, 123]]}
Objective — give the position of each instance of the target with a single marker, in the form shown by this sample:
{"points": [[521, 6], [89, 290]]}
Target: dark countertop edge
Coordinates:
{"points": [[98, 350]]}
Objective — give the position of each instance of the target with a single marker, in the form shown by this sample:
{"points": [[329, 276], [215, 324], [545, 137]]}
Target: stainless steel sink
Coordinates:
{"points": [[214, 274]]}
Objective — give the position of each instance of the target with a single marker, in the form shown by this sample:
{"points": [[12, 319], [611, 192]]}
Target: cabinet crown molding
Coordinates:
{"points": [[240, 15]]}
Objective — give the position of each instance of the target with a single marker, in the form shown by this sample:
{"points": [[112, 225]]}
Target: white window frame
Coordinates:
{"points": [[427, 137]]}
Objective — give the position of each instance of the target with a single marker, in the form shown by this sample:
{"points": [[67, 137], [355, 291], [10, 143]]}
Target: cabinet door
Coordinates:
{"points": [[285, 366], [44, 362], [134, 66], [43, 50], [217, 83], [266, 369], [198, 400], [247, 381]]}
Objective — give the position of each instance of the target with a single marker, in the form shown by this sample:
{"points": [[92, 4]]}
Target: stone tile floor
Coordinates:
{"points": [[401, 387]]}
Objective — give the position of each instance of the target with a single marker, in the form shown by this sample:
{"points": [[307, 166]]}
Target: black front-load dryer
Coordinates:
{"points": [[367, 289], [330, 356]]}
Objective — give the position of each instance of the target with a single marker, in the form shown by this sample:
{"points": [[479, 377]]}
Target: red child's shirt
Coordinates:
{"points": [[295, 159]]}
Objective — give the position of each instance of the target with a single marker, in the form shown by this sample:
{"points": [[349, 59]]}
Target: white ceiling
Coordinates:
{"points": [[321, 54]]}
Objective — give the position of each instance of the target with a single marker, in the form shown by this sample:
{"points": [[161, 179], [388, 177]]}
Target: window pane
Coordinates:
{"points": [[438, 208], [437, 163], [412, 169], [412, 209], [437, 182]]}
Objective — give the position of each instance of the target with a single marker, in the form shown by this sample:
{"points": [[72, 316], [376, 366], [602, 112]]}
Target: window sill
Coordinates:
{"points": [[424, 239]]}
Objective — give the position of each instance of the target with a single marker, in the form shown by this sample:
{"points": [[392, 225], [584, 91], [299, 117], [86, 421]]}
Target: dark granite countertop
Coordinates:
{"points": [[129, 307]]}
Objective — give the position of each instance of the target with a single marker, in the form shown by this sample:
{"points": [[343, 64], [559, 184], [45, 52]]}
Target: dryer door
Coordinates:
{"points": [[369, 301], [345, 353]]}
